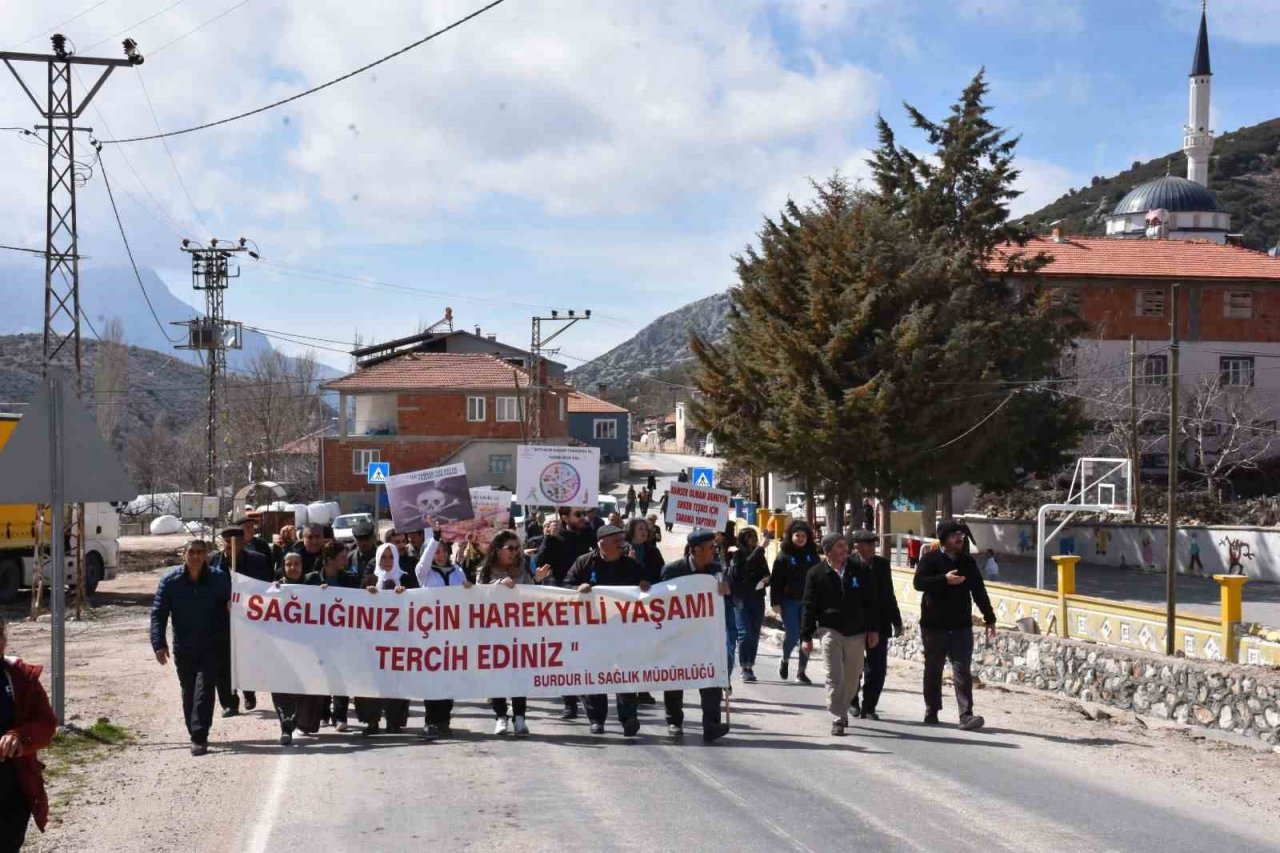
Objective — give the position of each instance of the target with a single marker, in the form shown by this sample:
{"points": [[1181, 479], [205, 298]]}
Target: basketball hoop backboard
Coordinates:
{"points": [[1102, 484]]}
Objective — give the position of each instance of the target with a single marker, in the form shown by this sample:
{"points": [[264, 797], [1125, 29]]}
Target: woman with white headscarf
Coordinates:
{"points": [[385, 575]]}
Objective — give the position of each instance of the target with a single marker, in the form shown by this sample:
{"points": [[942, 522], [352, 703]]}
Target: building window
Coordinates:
{"points": [[1154, 370], [1235, 370], [604, 428], [360, 460], [475, 409], [1237, 305], [506, 409], [1150, 303], [500, 463]]}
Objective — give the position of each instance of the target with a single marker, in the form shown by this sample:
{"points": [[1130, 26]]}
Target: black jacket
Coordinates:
{"points": [[943, 605], [561, 550], [848, 605], [650, 559], [310, 562], [198, 610], [746, 570], [594, 569], [890, 615], [248, 563], [357, 563], [343, 580], [789, 574]]}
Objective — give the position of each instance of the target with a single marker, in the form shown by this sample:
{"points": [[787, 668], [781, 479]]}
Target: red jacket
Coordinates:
{"points": [[34, 724]]}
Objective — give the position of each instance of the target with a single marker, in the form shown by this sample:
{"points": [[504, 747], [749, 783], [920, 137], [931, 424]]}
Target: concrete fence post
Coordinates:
{"points": [[1231, 588], [1066, 587]]}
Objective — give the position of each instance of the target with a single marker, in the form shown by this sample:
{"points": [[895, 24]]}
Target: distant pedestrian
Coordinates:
{"points": [[651, 483], [748, 578], [991, 568], [700, 558], [503, 565], [797, 553], [646, 498], [662, 507], [950, 584], [842, 612], [913, 549], [28, 724], [890, 624], [631, 501], [683, 476], [195, 598]]}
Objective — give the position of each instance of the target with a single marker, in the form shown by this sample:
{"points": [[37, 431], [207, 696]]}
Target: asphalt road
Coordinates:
{"points": [[779, 781]]}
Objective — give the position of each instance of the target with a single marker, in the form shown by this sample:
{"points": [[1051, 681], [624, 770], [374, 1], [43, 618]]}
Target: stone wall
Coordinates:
{"points": [[1243, 700]]}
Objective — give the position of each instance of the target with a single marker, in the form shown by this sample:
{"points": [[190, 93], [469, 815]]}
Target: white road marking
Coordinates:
{"points": [[270, 808]]}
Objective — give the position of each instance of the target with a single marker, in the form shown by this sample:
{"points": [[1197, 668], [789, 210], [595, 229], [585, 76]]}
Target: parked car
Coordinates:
{"points": [[342, 525]]}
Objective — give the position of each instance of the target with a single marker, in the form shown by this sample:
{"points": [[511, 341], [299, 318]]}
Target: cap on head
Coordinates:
{"points": [[231, 533], [244, 519], [948, 527], [831, 540], [608, 530], [362, 529], [700, 536]]}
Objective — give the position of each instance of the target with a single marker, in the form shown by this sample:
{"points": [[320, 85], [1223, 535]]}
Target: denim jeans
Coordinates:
{"points": [[749, 613], [792, 608]]}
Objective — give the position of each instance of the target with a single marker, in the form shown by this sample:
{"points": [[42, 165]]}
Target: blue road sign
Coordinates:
{"points": [[379, 472], [704, 477]]}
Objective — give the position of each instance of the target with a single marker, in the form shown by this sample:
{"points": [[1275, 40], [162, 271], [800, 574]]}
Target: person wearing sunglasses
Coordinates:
{"points": [[504, 565], [572, 538]]}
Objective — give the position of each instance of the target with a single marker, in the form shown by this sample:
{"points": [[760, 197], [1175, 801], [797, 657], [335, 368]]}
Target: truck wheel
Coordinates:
{"points": [[93, 571], [10, 579]]}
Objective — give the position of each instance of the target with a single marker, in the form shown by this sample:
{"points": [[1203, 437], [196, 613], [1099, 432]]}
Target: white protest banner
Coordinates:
{"points": [[440, 494], [455, 643], [554, 475], [492, 509], [697, 506]]}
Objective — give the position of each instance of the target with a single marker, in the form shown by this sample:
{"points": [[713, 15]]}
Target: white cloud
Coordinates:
{"points": [[1040, 183], [1249, 21]]}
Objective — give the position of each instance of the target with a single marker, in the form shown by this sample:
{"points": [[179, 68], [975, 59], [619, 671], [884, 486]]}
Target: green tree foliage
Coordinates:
{"points": [[870, 330]]}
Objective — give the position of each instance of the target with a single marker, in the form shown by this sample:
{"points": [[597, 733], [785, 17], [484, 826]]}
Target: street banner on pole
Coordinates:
{"points": [[557, 475], [440, 494], [492, 509], [694, 506], [455, 643]]}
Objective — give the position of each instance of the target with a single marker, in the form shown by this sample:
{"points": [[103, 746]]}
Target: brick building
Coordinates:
{"points": [[423, 409]]}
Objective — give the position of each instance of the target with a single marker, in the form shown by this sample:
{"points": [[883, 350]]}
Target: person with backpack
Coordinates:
{"points": [[797, 554]]}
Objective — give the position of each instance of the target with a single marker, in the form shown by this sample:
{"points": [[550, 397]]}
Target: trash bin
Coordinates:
{"points": [[738, 501], [764, 517], [751, 508]]}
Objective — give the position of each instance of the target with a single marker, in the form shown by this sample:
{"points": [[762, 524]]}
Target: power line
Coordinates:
{"points": [[77, 16], [173, 163], [39, 252], [145, 20], [314, 89], [216, 17], [970, 430], [125, 239]]}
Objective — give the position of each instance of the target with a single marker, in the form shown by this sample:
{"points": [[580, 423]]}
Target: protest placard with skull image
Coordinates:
{"points": [[439, 494]]}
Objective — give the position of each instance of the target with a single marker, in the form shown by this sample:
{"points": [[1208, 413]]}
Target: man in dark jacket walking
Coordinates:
{"points": [[841, 609], [609, 565], [700, 558], [877, 664], [950, 584], [195, 597], [574, 537]]}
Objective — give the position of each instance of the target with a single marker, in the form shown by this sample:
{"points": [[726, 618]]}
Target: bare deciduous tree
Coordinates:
{"points": [[273, 403], [111, 378], [1223, 430]]}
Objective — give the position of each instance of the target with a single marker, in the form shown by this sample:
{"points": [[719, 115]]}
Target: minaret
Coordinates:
{"points": [[1197, 138]]}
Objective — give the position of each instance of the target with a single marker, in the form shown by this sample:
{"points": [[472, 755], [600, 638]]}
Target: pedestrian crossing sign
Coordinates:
{"points": [[704, 477], [378, 473]]}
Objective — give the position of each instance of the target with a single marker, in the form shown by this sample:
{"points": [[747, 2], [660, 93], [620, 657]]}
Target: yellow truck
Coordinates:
{"points": [[18, 538]]}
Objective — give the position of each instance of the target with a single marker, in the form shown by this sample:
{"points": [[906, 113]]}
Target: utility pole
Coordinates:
{"points": [[211, 272], [1171, 531], [1134, 452], [538, 367], [62, 270]]}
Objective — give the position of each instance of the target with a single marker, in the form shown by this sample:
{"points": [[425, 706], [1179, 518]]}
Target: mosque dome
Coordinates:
{"points": [[1170, 193]]}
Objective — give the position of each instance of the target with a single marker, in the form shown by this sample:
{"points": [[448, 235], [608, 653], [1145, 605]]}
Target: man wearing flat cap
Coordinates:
{"points": [[877, 664], [841, 610], [950, 584], [608, 564], [252, 541], [699, 559], [360, 563]]}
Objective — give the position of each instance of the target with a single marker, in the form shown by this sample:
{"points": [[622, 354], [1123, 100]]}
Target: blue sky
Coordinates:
{"points": [[605, 155]]}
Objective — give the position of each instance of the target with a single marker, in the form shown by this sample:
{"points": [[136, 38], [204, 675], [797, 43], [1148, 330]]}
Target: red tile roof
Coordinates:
{"points": [[579, 402], [1172, 260], [429, 371]]}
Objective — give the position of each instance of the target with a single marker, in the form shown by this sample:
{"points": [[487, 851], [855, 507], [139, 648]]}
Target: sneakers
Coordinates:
{"points": [[715, 731], [931, 718], [569, 714], [230, 712], [199, 749], [500, 726], [429, 732], [340, 726], [675, 729], [519, 727], [802, 678], [286, 739], [783, 669], [749, 676], [597, 728], [837, 728], [631, 727], [971, 722]]}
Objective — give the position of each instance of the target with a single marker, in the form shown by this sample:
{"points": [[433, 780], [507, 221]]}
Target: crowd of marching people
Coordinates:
{"points": [[833, 595]]}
